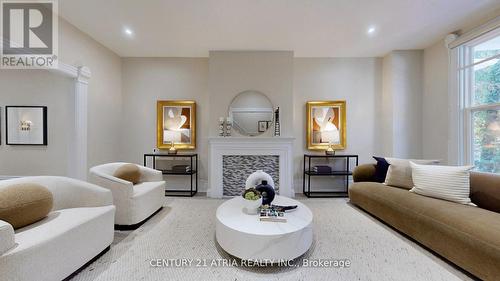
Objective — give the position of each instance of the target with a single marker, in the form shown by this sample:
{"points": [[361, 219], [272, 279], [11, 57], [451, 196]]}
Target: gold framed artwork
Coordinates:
{"points": [[176, 123], [326, 125]]}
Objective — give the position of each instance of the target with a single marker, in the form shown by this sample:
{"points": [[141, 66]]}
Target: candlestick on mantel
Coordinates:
{"points": [[229, 125]]}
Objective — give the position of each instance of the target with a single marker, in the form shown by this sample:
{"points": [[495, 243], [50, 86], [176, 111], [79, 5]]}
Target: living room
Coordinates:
{"points": [[250, 140]]}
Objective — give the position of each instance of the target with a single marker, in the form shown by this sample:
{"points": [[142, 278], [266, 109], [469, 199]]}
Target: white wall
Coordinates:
{"points": [[356, 80], [25, 87], [407, 103], [402, 91], [269, 72], [386, 112], [104, 93], [396, 105], [146, 80], [435, 103], [40, 88]]}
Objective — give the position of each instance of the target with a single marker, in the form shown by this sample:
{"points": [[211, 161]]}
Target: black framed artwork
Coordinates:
{"points": [[26, 125]]}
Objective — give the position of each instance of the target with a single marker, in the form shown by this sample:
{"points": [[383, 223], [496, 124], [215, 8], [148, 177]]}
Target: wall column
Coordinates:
{"points": [[77, 147], [77, 164]]}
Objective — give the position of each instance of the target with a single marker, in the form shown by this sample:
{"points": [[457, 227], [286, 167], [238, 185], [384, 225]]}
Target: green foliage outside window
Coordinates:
{"points": [[486, 123]]}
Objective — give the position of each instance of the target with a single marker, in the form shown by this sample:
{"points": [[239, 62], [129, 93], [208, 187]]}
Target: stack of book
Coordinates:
{"points": [[322, 169], [272, 214], [181, 168]]}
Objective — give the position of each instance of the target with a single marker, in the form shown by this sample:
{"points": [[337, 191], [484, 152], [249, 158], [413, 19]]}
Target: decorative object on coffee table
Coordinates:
{"points": [[252, 201], [267, 192], [246, 237], [271, 214], [257, 177], [322, 170]]}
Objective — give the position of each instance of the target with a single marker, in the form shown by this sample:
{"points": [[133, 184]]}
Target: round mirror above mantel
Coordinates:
{"points": [[252, 113]]}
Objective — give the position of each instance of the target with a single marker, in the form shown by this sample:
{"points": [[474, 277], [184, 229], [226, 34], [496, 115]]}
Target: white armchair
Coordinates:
{"points": [[134, 203], [7, 235], [79, 228]]}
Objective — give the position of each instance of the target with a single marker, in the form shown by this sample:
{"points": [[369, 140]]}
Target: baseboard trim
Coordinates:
{"points": [[8, 177], [137, 225], [87, 264]]}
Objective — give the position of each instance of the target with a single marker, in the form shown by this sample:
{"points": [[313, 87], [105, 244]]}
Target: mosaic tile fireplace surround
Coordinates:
{"points": [[237, 168], [233, 159]]}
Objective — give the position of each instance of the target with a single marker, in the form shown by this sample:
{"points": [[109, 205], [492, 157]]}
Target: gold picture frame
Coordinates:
{"points": [[176, 122], [326, 124]]}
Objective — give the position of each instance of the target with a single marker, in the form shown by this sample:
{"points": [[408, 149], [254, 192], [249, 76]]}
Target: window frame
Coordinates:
{"points": [[466, 91]]}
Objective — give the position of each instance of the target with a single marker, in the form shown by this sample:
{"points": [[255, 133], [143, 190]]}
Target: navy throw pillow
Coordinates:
{"points": [[381, 169]]}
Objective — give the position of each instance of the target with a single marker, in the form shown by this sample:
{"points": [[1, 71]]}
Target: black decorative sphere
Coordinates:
{"points": [[267, 192]]}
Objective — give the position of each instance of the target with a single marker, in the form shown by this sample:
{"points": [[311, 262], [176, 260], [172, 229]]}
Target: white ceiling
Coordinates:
{"points": [[311, 28]]}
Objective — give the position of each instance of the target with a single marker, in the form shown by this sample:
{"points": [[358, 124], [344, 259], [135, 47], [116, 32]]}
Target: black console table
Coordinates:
{"points": [[193, 158], [308, 172]]}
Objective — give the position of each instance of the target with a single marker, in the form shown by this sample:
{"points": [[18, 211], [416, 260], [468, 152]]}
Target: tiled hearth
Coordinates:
{"points": [[233, 159], [237, 168]]}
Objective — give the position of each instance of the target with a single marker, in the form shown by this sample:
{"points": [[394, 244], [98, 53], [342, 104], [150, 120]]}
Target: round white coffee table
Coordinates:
{"points": [[246, 237]]}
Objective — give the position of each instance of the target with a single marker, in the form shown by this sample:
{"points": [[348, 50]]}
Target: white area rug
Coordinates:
{"points": [[185, 228]]}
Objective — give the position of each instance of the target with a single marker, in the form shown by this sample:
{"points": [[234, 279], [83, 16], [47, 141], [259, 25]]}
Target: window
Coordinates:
{"points": [[479, 86]]}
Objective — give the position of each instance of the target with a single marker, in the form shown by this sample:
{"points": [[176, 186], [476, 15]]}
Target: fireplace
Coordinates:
{"points": [[232, 158], [237, 168]]}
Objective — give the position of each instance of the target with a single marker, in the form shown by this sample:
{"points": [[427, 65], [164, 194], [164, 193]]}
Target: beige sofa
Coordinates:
{"points": [[79, 228], [467, 236]]}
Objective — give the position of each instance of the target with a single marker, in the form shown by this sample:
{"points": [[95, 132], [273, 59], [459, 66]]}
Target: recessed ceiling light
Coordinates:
{"points": [[371, 30], [129, 32]]}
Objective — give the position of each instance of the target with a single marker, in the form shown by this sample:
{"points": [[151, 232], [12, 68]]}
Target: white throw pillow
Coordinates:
{"points": [[399, 173], [450, 183]]}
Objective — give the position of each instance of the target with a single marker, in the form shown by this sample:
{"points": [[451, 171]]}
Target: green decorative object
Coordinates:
{"points": [[252, 200], [252, 194]]}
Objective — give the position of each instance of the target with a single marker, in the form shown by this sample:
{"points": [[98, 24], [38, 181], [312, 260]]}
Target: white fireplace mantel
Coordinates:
{"points": [[279, 146]]}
